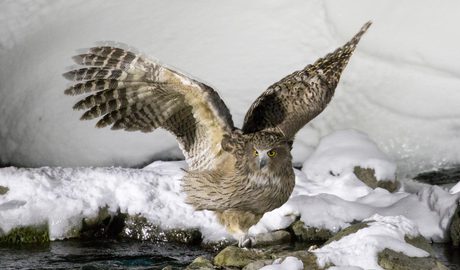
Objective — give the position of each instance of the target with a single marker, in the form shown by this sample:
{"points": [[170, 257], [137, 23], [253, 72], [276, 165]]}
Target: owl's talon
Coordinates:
{"points": [[246, 241]]}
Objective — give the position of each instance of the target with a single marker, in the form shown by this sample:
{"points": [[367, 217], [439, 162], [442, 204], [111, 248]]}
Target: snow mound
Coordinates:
{"points": [[62, 197], [289, 263], [334, 200], [361, 248]]}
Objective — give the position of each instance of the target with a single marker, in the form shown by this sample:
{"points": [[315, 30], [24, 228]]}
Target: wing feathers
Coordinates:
{"points": [[131, 92], [289, 104]]}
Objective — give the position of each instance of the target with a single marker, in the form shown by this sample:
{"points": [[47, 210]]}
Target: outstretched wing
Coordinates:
{"points": [[131, 92], [289, 104]]}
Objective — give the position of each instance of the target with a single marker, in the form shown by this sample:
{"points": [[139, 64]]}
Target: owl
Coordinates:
{"points": [[240, 174]]}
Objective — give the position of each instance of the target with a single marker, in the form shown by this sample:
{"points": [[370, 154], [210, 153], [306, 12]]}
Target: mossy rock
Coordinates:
{"points": [[104, 225], [308, 259], [348, 230], [454, 228], [238, 257], [37, 235], [309, 234], [391, 260], [272, 238], [367, 176], [3, 190], [420, 242], [139, 228], [200, 263]]}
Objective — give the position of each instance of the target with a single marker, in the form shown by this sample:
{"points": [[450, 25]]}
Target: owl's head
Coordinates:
{"points": [[270, 150]]}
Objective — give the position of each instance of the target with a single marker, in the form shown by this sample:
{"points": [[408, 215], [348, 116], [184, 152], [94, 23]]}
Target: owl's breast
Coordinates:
{"points": [[269, 191]]}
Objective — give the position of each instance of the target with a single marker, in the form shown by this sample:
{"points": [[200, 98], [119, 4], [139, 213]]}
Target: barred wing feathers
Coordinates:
{"points": [[289, 104], [129, 91]]}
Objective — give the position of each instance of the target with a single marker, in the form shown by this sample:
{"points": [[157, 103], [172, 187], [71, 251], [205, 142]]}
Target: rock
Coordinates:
{"points": [[454, 228], [137, 227], [258, 264], [308, 259], [200, 263], [348, 230], [3, 190], [391, 260], [104, 225], [420, 242], [307, 233], [26, 235], [272, 238], [169, 267], [367, 176], [233, 256], [440, 177]]}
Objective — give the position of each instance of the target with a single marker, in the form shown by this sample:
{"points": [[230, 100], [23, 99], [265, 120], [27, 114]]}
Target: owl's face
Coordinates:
{"points": [[269, 152]]}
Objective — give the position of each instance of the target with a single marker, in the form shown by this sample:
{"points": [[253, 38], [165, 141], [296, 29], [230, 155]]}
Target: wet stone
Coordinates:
{"points": [[442, 176], [272, 238], [200, 263], [391, 260], [137, 227]]}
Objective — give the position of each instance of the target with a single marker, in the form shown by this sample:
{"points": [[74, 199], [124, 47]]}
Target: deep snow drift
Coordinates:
{"points": [[401, 86], [326, 195]]}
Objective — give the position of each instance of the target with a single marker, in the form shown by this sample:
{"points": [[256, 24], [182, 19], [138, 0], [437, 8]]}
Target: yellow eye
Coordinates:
{"points": [[271, 153], [255, 152]]}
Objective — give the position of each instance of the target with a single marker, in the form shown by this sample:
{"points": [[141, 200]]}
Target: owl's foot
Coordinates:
{"points": [[246, 241]]}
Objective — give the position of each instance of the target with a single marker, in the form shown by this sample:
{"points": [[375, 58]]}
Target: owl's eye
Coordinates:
{"points": [[255, 152], [271, 153]]}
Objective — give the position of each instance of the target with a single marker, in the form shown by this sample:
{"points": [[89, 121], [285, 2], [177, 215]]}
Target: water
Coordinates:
{"points": [[111, 254], [100, 254]]}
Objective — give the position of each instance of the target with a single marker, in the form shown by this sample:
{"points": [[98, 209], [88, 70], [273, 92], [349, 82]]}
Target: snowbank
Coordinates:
{"points": [[362, 247], [401, 86], [328, 195], [62, 197]]}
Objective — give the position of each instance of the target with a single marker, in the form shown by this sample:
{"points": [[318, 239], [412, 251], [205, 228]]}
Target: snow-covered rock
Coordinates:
{"points": [[401, 86]]}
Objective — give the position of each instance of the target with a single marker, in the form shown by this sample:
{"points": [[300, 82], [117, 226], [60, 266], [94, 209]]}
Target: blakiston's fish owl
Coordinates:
{"points": [[238, 173]]}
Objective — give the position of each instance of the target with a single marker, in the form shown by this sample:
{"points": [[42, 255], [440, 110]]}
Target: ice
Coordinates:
{"points": [[289, 263], [401, 86]]}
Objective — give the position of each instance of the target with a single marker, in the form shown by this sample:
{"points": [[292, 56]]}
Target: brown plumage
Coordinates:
{"points": [[239, 174]]}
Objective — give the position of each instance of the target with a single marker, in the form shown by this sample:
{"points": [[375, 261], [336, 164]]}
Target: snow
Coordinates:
{"points": [[401, 86], [335, 200], [361, 248], [62, 197], [289, 263]]}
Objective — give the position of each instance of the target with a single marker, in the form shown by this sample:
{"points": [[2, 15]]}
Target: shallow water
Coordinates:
{"points": [[101, 254], [111, 254]]}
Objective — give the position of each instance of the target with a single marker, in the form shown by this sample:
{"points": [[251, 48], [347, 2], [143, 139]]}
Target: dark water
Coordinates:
{"points": [[103, 254], [110, 254]]}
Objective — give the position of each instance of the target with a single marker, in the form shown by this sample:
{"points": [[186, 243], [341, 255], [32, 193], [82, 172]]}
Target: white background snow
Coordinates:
{"points": [[402, 86]]}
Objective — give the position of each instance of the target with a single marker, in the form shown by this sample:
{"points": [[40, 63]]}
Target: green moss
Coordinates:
{"points": [[308, 234], [26, 235], [238, 257], [391, 260], [3, 190]]}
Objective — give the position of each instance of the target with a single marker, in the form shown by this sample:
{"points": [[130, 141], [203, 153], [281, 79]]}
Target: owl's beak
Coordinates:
{"points": [[263, 160]]}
